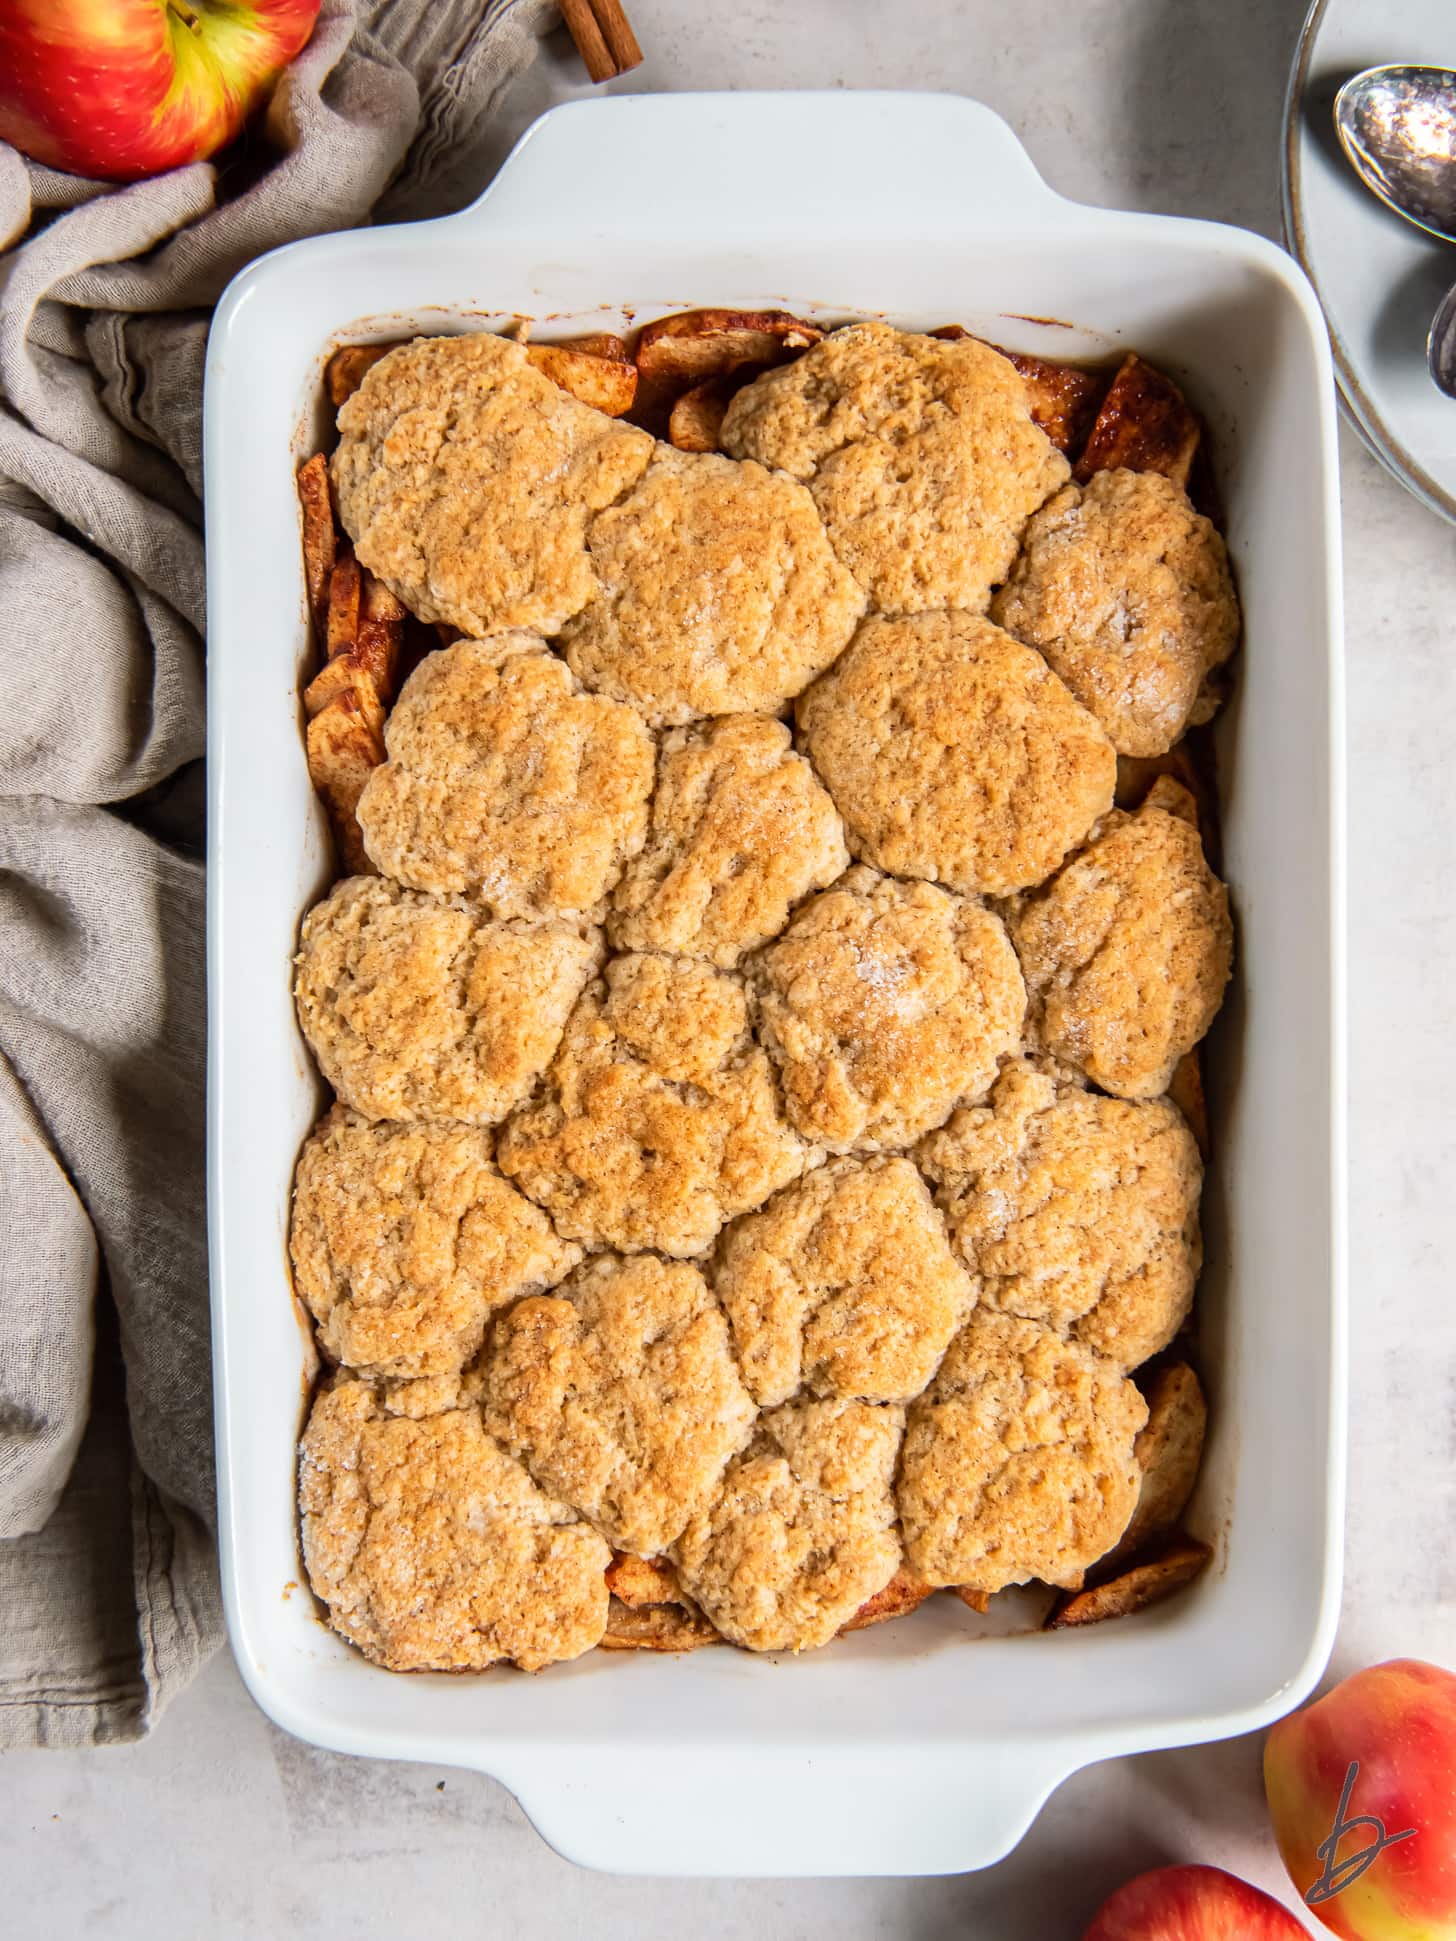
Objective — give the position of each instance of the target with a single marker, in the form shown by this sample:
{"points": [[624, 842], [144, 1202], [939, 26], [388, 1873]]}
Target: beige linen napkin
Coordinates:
{"points": [[108, 1581]]}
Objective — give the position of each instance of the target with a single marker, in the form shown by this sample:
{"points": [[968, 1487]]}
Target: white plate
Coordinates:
{"points": [[922, 1747], [1378, 279]]}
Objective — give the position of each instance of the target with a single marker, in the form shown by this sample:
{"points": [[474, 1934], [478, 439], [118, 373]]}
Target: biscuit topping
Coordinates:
{"points": [[658, 1119], [843, 1284], [922, 457], [885, 1004], [802, 1531], [405, 1238], [755, 1168], [954, 752], [422, 1008], [1075, 1210], [1018, 1459], [720, 594], [621, 1395], [431, 1547], [1126, 590], [741, 830], [1126, 952], [504, 780], [467, 481]]}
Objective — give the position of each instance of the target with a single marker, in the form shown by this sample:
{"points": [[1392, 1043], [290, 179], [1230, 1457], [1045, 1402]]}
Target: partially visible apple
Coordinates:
{"points": [[1398, 1722], [1192, 1904], [127, 88]]}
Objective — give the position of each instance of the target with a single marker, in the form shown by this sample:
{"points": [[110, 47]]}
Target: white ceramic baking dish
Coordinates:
{"points": [[923, 1747]]}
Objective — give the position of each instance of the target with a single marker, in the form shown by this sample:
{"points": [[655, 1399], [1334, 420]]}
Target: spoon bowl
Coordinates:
{"points": [[1441, 346], [1397, 126]]}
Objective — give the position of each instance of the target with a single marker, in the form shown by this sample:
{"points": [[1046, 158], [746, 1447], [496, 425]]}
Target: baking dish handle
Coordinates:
{"points": [[862, 1809], [856, 164]]}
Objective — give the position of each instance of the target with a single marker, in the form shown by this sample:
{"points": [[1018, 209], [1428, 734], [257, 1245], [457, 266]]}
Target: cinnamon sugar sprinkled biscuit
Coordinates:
{"points": [[621, 1395], [431, 1547], [740, 831], [420, 1008], [467, 482], [1126, 590], [720, 594], [921, 454], [405, 1238], [1018, 1459], [658, 1119], [505, 780], [802, 1531], [885, 1004], [1127, 951], [953, 752], [1075, 1210], [844, 1284]]}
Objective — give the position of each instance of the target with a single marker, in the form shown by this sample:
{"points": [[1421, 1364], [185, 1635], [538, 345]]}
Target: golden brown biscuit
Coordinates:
{"points": [[467, 481], [922, 457], [1169, 1454], [1074, 1210], [621, 1395], [720, 594], [1018, 1459], [884, 1004], [954, 752], [1127, 951], [740, 831], [404, 1240], [431, 1547], [1127, 591], [418, 1008], [843, 1284], [658, 1120], [505, 780], [802, 1532]]}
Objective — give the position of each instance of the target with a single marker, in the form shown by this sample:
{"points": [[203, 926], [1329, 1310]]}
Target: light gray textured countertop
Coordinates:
{"points": [[222, 1826]]}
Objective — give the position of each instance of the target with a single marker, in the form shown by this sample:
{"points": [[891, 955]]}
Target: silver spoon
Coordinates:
{"points": [[1441, 345], [1397, 126]]}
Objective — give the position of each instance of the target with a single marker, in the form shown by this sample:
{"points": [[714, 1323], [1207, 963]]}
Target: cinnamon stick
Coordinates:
{"points": [[581, 24], [616, 31], [603, 36]]}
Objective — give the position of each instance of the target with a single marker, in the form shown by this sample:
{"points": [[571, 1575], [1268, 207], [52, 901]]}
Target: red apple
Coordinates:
{"points": [[1377, 1755], [126, 88], [1192, 1904]]}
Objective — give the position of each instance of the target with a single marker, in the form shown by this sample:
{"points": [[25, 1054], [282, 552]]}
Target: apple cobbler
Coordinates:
{"points": [[763, 990]]}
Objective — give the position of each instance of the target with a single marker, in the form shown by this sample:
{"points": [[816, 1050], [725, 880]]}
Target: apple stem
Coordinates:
{"points": [[185, 14]]}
